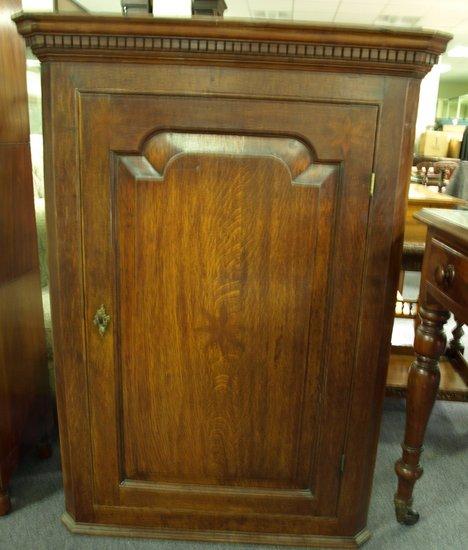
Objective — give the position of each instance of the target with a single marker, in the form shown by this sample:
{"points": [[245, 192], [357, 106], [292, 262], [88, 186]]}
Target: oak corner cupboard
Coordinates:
{"points": [[225, 207]]}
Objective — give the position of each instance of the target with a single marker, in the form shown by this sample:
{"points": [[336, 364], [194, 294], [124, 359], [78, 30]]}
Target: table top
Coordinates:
{"points": [[420, 194], [453, 222]]}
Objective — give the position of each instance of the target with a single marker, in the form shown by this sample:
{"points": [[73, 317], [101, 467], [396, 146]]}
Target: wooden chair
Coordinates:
{"points": [[443, 169]]}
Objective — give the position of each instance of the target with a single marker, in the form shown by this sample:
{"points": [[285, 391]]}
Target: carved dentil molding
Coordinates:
{"points": [[409, 53]]}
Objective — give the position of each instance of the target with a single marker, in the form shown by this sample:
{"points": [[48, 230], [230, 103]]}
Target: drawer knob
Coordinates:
{"points": [[444, 276]]}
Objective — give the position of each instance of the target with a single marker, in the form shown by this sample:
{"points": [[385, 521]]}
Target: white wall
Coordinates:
{"points": [[427, 107], [38, 5], [172, 8]]}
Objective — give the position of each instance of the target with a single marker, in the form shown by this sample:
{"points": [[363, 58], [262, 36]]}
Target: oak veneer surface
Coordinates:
{"points": [[452, 386], [208, 186], [419, 197], [23, 363]]}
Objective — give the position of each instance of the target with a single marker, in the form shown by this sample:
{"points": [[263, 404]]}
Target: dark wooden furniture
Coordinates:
{"points": [[23, 362], [217, 251], [452, 386], [443, 169], [453, 379], [444, 289], [419, 196]]}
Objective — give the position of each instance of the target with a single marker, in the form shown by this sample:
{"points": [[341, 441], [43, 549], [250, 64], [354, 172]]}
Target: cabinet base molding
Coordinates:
{"points": [[315, 541]]}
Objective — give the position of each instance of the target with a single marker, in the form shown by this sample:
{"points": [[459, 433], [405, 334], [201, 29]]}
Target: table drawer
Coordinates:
{"points": [[447, 270]]}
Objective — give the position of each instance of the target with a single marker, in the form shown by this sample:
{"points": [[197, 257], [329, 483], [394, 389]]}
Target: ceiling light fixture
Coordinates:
{"points": [[269, 14], [398, 20]]}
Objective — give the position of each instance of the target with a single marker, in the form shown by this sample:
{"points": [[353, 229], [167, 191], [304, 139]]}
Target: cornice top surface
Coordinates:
{"points": [[220, 41]]}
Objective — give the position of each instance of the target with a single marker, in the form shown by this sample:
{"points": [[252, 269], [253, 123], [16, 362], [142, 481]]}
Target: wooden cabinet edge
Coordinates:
{"points": [[218, 41], [315, 541]]}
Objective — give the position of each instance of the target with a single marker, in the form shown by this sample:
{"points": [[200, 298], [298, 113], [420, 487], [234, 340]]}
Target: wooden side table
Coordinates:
{"points": [[419, 197], [452, 386], [444, 289]]}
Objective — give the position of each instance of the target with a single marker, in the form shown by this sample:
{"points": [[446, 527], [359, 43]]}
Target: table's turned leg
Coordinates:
{"points": [[4, 502], [423, 383]]}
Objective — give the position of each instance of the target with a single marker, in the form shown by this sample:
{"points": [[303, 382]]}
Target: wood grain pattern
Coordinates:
{"points": [[422, 197], [452, 386], [212, 39], [13, 94], [23, 362], [231, 270], [221, 213], [17, 217], [326, 483], [453, 224], [209, 536]]}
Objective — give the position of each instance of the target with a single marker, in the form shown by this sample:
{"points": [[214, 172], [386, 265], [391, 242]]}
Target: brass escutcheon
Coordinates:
{"points": [[101, 319]]}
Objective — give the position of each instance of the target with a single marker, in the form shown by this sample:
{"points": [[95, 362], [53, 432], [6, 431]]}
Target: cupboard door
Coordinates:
{"points": [[229, 260]]}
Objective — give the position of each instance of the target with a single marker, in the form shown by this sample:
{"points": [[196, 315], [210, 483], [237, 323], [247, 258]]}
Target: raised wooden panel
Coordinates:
{"points": [[161, 148], [216, 261], [226, 247]]}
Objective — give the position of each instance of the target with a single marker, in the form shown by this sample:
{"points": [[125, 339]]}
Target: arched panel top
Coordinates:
{"points": [[161, 148]]}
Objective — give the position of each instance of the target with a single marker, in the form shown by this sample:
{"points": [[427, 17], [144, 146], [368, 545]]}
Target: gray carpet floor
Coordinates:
{"points": [[441, 497]]}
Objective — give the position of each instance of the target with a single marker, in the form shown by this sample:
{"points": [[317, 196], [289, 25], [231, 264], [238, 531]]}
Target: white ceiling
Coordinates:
{"points": [[446, 15]]}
